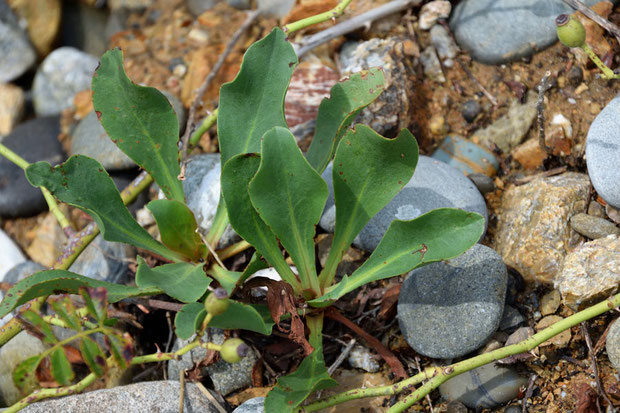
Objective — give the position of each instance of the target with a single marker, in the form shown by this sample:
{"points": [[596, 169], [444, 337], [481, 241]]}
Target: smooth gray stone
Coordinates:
{"points": [[499, 31], [105, 261], [450, 308], [10, 255], [35, 140], [483, 182], [603, 153], [256, 405], [593, 227], [613, 345], [17, 53], [511, 319], [84, 28], [433, 185], [275, 8], [63, 73], [17, 273], [487, 386], [144, 397]]}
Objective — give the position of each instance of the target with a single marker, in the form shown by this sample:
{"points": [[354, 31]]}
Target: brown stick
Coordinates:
{"points": [[540, 108], [589, 13], [599, 386]]}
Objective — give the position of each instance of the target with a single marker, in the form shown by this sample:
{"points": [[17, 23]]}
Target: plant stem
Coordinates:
{"points": [[233, 249], [438, 375], [607, 72], [204, 126], [319, 18], [219, 225]]}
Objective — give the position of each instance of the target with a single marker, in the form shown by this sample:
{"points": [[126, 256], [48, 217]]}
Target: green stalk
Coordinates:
{"points": [[319, 18], [607, 72]]}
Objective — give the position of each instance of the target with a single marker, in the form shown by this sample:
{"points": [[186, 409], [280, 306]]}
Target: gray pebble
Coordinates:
{"points": [[593, 227], [255, 405], [470, 110], [511, 319], [17, 53], [575, 75], [443, 44], [105, 261], [483, 182], [613, 345]]}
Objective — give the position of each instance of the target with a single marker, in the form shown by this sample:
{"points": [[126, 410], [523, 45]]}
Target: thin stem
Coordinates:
{"points": [[206, 124], [233, 249], [219, 225], [319, 18], [607, 72]]}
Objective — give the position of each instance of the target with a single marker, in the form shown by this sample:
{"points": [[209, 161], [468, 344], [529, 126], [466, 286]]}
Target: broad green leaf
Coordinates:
{"points": [[183, 281], [236, 176], [93, 356], [140, 121], [368, 172], [121, 348], [25, 374], [336, 113], [227, 279], [65, 310], [96, 302], [294, 388], [289, 195], [82, 182], [240, 316], [440, 234], [37, 326], [189, 319], [178, 228], [61, 368], [44, 283], [254, 101]]}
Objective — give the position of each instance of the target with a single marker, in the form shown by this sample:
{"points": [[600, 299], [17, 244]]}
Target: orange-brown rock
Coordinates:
{"points": [[43, 20]]}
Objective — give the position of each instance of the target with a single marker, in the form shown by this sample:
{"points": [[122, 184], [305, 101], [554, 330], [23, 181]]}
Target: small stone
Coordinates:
{"points": [[593, 227], [240, 4], [466, 156], [256, 405], [613, 345], [532, 235], [433, 185], [470, 110], [129, 4], [62, 74], [105, 261], [226, 377], [16, 350], [487, 386], [603, 152], [197, 7], [483, 182], [48, 241], [521, 334], [444, 45], [35, 140], [361, 358], [42, 18], [561, 340], [389, 113], [456, 407], [147, 396], [550, 302], [275, 8], [529, 154], [511, 318], [450, 308], [514, 409], [596, 210], [433, 11], [10, 255], [83, 27], [432, 67], [509, 130], [17, 53], [437, 125], [12, 103], [590, 273]]}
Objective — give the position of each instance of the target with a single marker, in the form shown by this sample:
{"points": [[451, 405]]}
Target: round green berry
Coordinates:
{"points": [[233, 350], [217, 302], [570, 31]]}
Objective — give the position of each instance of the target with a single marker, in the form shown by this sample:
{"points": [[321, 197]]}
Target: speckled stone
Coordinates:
{"points": [[533, 235], [591, 273], [433, 185], [499, 31], [593, 227], [144, 397], [603, 152], [613, 345], [390, 111], [509, 130], [255, 405], [450, 308]]}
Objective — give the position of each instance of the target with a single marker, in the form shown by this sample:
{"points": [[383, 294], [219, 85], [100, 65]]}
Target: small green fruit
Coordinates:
{"points": [[570, 31], [233, 350], [217, 302]]}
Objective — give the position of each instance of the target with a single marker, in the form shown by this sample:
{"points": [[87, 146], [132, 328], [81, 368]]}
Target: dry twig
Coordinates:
{"points": [[540, 108], [599, 386]]}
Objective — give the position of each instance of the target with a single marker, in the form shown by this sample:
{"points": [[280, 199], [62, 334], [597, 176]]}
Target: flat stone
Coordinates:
{"points": [[17, 53], [487, 386], [613, 345], [389, 113], [590, 273], [532, 235], [129, 4], [10, 255], [450, 308], [501, 31], [561, 340], [16, 350], [433, 185], [144, 397], [550, 302], [12, 101], [275, 8], [484, 183], [255, 405], [62, 74], [511, 319], [603, 152], [35, 140]]}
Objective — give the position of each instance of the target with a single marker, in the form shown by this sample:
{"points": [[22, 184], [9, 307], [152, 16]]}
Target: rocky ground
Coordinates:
{"points": [[463, 76]]}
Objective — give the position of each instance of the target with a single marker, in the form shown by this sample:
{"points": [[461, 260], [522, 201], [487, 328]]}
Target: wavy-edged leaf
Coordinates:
{"points": [[368, 172], [93, 356], [289, 195], [140, 121], [183, 281], [96, 302], [35, 325], [240, 316], [227, 279], [189, 319], [44, 283], [65, 310], [254, 101], [61, 368], [440, 234], [346, 100], [82, 182], [178, 228], [25, 374], [236, 176], [121, 348]]}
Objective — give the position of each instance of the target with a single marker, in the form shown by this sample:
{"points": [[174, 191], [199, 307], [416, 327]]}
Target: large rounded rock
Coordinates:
{"points": [[35, 140], [433, 185], [613, 345], [500, 31], [603, 152], [450, 308], [62, 74], [17, 53]]}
